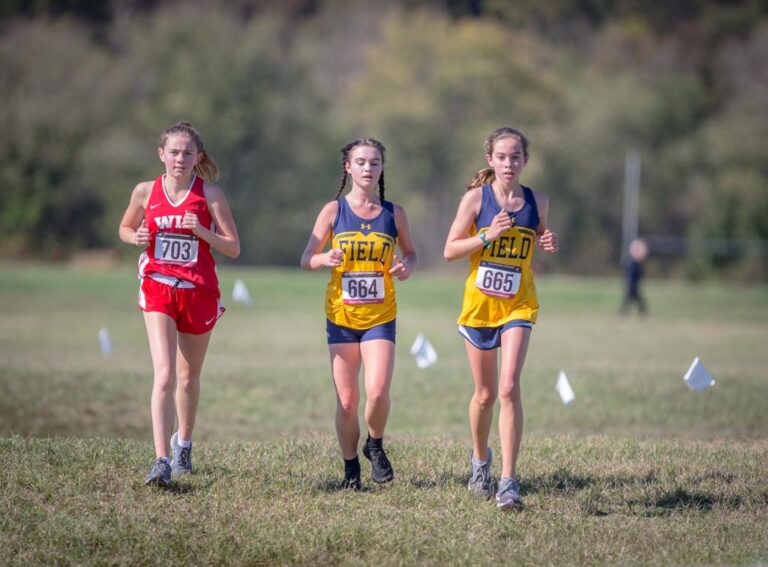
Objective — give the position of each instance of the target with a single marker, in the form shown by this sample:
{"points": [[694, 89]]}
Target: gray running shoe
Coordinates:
{"points": [[182, 457], [159, 474], [508, 497], [481, 481]]}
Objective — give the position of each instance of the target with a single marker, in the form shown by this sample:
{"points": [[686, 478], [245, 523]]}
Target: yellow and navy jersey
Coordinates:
{"points": [[361, 293], [500, 286]]}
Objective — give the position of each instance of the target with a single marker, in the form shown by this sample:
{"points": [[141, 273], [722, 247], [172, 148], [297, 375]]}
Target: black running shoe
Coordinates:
{"points": [[351, 481], [381, 468]]}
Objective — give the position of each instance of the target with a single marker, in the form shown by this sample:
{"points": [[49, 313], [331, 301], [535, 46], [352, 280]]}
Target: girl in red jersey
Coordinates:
{"points": [[178, 218]]}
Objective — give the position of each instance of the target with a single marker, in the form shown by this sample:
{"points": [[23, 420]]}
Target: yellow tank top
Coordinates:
{"points": [[361, 292], [500, 286]]}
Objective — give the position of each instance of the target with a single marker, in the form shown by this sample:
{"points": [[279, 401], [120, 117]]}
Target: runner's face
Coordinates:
{"points": [[507, 159], [179, 155], [365, 166]]}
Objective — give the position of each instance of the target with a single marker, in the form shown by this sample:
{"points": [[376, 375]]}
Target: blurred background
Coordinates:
{"points": [[678, 90]]}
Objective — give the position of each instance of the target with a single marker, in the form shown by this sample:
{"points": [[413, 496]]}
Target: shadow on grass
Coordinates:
{"points": [[561, 480], [329, 486], [683, 500]]}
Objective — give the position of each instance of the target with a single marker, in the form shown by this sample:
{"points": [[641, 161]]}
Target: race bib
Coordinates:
{"points": [[362, 287], [180, 249], [498, 280]]}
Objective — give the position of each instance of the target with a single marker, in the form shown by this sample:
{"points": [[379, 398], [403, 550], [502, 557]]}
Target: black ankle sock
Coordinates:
{"points": [[375, 443], [351, 466]]}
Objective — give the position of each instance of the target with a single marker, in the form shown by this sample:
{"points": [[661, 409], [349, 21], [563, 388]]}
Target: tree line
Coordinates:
{"points": [[277, 89]]}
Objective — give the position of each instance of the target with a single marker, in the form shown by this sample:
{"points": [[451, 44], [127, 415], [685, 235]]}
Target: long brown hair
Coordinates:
{"points": [[208, 169]]}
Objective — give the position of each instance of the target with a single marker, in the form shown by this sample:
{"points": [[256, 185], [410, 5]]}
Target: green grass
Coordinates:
{"points": [[638, 470]]}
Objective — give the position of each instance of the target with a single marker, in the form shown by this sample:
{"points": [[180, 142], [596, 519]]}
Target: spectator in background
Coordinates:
{"points": [[636, 255]]}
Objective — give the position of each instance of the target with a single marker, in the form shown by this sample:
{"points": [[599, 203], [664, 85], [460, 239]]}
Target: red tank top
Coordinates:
{"points": [[175, 251]]}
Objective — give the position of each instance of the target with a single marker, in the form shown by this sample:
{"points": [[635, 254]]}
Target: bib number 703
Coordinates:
{"points": [[178, 249]]}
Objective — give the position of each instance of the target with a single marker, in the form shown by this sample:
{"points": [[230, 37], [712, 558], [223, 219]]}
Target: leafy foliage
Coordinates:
{"points": [[276, 90]]}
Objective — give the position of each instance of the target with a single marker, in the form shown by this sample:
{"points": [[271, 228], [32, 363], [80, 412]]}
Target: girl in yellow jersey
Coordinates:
{"points": [[498, 224], [360, 307]]}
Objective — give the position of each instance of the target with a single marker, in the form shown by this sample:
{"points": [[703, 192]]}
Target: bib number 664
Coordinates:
{"points": [[362, 287]]}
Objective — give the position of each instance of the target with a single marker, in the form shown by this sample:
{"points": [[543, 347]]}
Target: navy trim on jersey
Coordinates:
{"points": [[527, 216]]}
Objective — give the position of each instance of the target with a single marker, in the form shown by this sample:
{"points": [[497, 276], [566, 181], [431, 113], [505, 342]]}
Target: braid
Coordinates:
{"points": [[344, 175], [381, 187], [345, 159]]}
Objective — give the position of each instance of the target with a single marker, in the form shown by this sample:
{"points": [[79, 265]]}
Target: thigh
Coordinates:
{"points": [[191, 352], [161, 332], [379, 359], [345, 367], [483, 364], [514, 347]]}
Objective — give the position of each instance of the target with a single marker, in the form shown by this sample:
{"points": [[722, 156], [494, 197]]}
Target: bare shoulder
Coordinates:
{"points": [[329, 209], [142, 191], [472, 199], [212, 192], [542, 200]]}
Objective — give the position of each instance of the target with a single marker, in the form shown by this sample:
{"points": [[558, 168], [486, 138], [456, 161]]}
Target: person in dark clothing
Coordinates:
{"points": [[638, 252]]}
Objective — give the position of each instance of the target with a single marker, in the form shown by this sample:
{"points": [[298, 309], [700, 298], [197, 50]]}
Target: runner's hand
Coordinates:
{"points": [[548, 241], [142, 234], [401, 270]]}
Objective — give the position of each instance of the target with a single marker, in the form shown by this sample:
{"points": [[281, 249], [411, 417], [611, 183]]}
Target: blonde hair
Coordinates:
{"points": [[486, 175], [208, 169]]}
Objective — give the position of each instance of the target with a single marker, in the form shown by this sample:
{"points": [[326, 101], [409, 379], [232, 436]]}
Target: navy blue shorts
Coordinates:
{"points": [[339, 334], [488, 338]]}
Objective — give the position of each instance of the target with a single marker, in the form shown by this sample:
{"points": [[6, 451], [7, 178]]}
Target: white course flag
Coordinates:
{"points": [[423, 351], [697, 377], [240, 292], [563, 388], [105, 343]]}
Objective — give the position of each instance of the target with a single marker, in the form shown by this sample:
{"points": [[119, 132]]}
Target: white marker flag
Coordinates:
{"points": [[423, 351], [240, 292], [105, 343], [563, 388], [697, 378]]}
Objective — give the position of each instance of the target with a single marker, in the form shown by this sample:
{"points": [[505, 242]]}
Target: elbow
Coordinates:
{"points": [[448, 254], [235, 251]]}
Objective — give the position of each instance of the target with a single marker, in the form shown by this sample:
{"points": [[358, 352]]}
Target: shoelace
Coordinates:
{"points": [[158, 468], [511, 488], [184, 455], [381, 458], [479, 475]]}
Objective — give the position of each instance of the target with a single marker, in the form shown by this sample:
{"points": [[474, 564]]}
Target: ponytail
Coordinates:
{"points": [[482, 177]]}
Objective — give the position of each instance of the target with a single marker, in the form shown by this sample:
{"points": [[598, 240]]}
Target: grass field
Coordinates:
{"points": [[638, 470]]}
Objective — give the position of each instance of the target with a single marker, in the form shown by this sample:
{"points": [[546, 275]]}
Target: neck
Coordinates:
{"points": [[362, 196], [514, 188], [176, 184]]}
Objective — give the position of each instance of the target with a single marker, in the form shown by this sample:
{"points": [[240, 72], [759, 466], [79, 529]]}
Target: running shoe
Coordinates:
{"points": [[508, 497], [481, 482], [182, 457], [159, 474]]}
